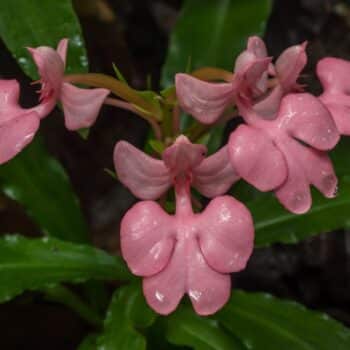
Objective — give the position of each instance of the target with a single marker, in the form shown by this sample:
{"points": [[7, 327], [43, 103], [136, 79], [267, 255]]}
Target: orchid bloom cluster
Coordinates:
{"points": [[281, 146]]}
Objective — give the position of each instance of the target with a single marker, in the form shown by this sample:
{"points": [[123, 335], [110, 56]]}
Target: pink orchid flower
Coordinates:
{"points": [[186, 252], [334, 76], [17, 125], [149, 178], [207, 101], [80, 106], [287, 154]]}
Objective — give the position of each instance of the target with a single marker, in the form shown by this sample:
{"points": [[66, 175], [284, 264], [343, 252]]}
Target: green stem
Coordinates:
{"points": [[117, 87], [66, 297]]}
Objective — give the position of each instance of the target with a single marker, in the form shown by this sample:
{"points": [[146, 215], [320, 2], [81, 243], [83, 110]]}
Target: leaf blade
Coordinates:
{"points": [[40, 184], [41, 22], [212, 33], [127, 311], [184, 327], [32, 264], [264, 322]]}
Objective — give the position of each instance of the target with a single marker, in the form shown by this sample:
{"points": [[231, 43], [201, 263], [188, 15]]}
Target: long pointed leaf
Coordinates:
{"points": [[31, 264], [264, 322]]}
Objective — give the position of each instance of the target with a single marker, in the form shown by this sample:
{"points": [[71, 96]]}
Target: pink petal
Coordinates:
{"points": [[208, 290], [294, 193], [215, 174], [62, 49], [183, 155], [164, 290], [9, 95], [50, 67], [243, 60], [257, 46], [250, 80], [255, 49], [146, 177], [17, 133], [248, 64], [290, 64], [146, 239], [333, 74], [256, 158], [307, 119], [317, 168], [268, 107], [81, 106], [340, 114], [226, 234], [204, 101]]}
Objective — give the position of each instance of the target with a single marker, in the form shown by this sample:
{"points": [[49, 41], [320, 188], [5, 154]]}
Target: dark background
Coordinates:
{"points": [[134, 35]]}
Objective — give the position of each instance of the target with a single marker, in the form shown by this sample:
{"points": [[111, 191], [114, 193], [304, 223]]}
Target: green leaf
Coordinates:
{"points": [[127, 312], [184, 327], [212, 33], [154, 100], [34, 23], [119, 74], [84, 133], [264, 322], [215, 138], [31, 264], [89, 343], [65, 296], [156, 145], [39, 183]]}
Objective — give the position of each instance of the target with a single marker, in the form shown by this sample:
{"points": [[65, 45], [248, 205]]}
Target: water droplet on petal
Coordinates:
{"points": [[335, 193], [159, 296]]}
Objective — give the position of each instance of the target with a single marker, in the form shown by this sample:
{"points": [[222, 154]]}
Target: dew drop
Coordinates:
{"points": [[23, 60], [159, 296], [11, 238], [335, 193], [248, 344], [83, 60], [325, 317], [76, 40]]}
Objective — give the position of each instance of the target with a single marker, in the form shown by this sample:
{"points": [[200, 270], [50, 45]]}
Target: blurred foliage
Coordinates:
{"points": [[31, 23], [40, 184], [212, 33]]}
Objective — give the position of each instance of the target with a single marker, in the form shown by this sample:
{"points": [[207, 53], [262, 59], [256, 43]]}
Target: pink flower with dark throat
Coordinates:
{"points": [[185, 253]]}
